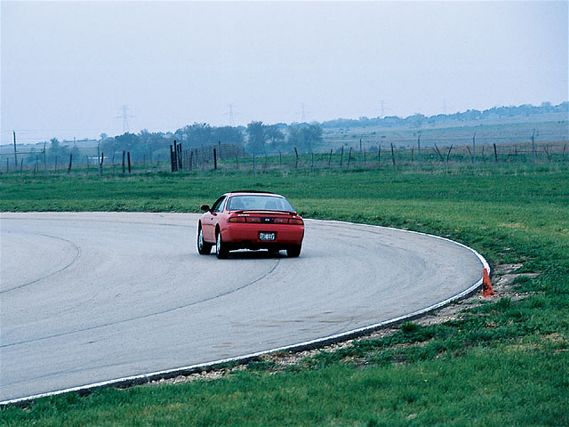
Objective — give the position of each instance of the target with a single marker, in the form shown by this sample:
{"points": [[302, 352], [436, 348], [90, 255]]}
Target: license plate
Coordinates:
{"points": [[267, 236]]}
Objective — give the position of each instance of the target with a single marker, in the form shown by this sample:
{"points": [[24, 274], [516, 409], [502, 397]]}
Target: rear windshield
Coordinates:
{"points": [[259, 203]]}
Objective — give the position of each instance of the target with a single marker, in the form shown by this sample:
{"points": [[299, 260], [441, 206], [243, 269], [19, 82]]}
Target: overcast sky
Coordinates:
{"points": [[69, 67]]}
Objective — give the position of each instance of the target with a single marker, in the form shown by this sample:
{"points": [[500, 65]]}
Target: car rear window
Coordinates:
{"points": [[259, 203]]}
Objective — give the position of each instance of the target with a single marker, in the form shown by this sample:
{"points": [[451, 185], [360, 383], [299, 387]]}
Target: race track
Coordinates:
{"points": [[93, 297]]}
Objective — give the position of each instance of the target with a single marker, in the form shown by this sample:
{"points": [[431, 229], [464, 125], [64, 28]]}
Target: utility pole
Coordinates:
{"points": [[15, 152]]}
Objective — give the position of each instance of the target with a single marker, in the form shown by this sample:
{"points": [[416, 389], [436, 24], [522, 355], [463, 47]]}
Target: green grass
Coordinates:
{"points": [[505, 363]]}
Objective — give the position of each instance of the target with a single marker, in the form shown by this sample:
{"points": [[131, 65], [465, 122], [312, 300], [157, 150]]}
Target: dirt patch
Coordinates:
{"points": [[503, 278]]}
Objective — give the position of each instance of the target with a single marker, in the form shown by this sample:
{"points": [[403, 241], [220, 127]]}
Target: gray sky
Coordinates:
{"points": [[68, 67]]}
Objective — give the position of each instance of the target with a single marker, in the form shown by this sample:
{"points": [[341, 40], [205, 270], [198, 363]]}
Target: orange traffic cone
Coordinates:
{"points": [[487, 290]]}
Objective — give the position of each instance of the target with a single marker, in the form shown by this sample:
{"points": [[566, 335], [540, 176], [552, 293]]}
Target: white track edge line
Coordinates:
{"points": [[145, 378]]}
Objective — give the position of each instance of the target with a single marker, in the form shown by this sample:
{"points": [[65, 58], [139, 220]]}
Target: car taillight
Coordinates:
{"points": [[237, 219], [280, 221], [296, 221], [253, 219]]}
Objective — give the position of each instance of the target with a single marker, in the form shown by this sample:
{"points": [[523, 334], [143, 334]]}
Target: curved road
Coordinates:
{"points": [[92, 297]]}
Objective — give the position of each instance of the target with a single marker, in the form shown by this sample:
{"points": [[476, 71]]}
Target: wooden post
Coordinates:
{"points": [[330, 158], [21, 165], [533, 146], [280, 160], [349, 157], [7, 165], [495, 153], [172, 161], [392, 154], [101, 163], [70, 163], [418, 145], [296, 161], [54, 166], [474, 147], [128, 160], [360, 146], [15, 151], [342, 157], [439, 153], [312, 161], [180, 164], [448, 153], [214, 159], [379, 155], [123, 162]]}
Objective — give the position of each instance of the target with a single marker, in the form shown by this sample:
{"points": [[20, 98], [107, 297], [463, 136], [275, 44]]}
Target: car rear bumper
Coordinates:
{"points": [[247, 235]]}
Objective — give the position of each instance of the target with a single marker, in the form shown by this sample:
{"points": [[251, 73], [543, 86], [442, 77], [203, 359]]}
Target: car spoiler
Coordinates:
{"points": [[264, 211]]}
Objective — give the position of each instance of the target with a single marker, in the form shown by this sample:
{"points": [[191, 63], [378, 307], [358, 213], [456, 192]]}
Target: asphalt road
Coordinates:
{"points": [[91, 297]]}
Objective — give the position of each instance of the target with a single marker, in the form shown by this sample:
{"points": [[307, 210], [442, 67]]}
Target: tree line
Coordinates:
{"points": [[255, 138]]}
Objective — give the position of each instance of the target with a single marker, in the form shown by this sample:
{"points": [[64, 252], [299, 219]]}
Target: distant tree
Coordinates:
{"points": [[305, 136], [256, 137], [228, 135], [197, 134], [56, 150], [274, 135]]}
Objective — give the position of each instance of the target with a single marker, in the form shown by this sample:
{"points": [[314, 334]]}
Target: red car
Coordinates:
{"points": [[250, 220]]}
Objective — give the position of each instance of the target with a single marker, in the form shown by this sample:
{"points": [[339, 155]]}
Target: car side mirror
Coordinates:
{"points": [[205, 208]]}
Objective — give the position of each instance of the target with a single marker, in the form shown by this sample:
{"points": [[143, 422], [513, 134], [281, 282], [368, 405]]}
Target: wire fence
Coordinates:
{"points": [[227, 157]]}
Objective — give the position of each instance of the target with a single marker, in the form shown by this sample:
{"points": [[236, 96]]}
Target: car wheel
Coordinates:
{"points": [[220, 247], [294, 251], [204, 248]]}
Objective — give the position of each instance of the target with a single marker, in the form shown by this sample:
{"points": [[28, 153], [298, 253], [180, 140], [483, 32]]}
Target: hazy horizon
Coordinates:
{"points": [[76, 64]]}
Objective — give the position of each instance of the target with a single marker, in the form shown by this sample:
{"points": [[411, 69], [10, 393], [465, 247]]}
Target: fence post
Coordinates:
{"points": [[15, 151], [379, 155], [128, 159], [392, 154], [533, 146], [70, 163], [448, 154], [495, 153], [101, 163], [180, 164], [296, 161], [123, 161], [330, 158], [214, 159], [349, 157], [342, 157], [439, 153]]}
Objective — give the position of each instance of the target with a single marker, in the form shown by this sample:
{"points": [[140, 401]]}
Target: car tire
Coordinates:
{"points": [[221, 248], [204, 248], [293, 251]]}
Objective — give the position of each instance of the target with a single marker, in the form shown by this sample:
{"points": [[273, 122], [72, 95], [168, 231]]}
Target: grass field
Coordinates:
{"points": [[504, 362]]}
